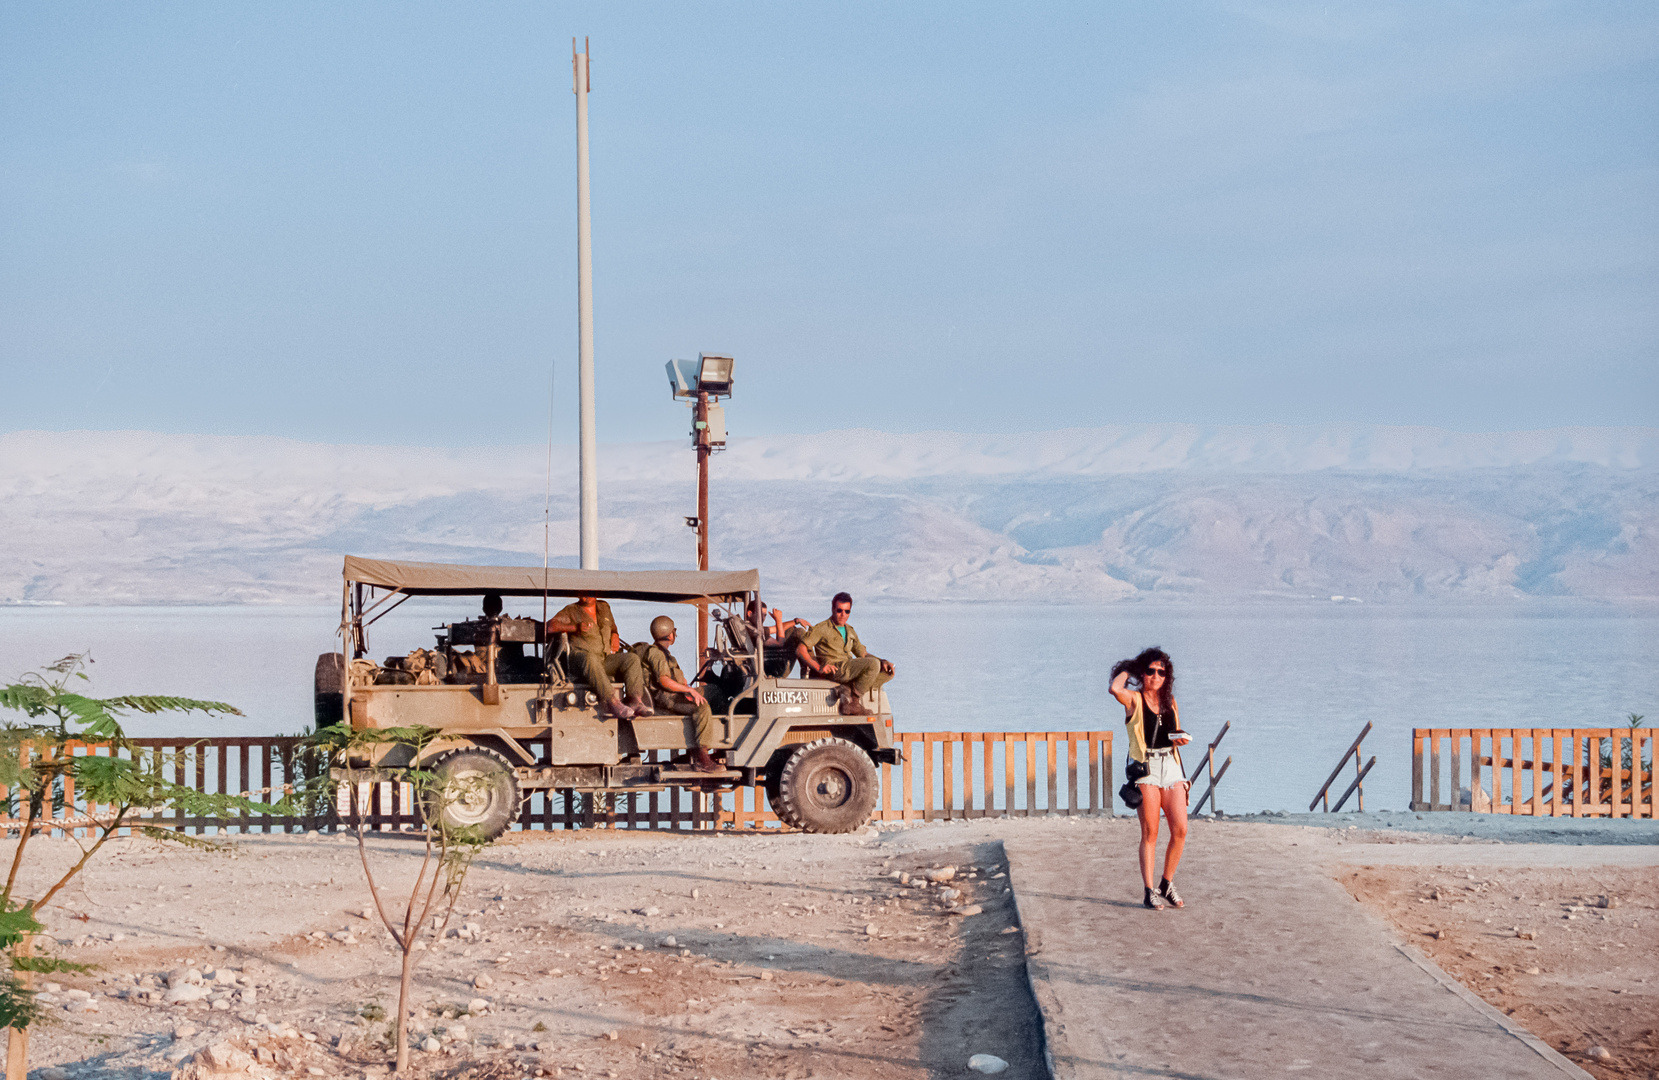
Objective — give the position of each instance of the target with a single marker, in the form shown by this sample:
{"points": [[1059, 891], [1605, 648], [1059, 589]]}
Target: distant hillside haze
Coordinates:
{"points": [[1374, 514]]}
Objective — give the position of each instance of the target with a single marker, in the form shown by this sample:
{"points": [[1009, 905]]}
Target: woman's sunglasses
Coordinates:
{"points": [[1158, 671]]}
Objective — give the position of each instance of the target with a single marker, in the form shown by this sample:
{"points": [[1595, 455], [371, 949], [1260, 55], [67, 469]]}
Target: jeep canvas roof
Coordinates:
{"points": [[449, 579]]}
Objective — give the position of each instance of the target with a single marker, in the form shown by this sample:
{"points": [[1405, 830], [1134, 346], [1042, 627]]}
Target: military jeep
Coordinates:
{"points": [[499, 690]]}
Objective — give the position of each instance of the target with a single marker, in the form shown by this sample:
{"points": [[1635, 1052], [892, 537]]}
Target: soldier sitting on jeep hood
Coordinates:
{"points": [[597, 656], [831, 650]]}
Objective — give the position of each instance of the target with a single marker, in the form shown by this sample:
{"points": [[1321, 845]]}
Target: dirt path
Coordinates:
{"points": [[1535, 943], [636, 955]]}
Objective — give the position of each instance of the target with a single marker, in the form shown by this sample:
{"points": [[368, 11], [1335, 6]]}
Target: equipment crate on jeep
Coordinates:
{"points": [[498, 690]]}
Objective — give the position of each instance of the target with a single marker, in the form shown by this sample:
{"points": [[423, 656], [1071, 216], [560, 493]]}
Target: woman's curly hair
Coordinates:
{"points": [[1137, 669]]}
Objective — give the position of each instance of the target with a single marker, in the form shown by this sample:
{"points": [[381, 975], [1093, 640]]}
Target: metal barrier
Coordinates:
{"points": [[1555, 772], [1208, 760], [944, 776], [1358, 785]]}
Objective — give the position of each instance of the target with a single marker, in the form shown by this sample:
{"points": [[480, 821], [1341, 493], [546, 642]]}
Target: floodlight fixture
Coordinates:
{"points": [[714, 374], [682, 378]]}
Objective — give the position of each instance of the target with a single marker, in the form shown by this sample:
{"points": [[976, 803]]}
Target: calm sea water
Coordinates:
{"points": [[1297, 683]]}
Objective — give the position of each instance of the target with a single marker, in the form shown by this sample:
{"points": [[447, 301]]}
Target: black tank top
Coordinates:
{"points": [[1156, 726]]}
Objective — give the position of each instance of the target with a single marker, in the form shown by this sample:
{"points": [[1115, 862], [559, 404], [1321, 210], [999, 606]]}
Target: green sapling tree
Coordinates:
{"points": [[47, 764], [448, 853]]}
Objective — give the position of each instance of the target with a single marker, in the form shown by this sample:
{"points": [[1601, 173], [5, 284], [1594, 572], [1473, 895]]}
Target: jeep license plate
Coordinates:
{"points": [[783, 697]]}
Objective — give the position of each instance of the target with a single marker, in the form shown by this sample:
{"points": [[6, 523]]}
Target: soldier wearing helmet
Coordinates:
{"points": [[674, 693]]}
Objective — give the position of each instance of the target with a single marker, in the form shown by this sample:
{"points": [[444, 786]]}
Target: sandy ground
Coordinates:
{"points": [[773, 971], [1536, 943], [791, 956]]}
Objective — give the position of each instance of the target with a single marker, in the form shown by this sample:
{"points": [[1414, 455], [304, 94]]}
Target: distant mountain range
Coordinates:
{"points": [[1376, 514]]}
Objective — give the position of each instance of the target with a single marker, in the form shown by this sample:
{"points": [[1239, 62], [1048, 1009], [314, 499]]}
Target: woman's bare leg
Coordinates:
{"points": [[1174, 800], [1148, 812]]}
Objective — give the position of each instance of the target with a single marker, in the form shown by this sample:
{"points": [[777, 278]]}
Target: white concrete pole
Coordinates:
{"points": [[584, 305]]}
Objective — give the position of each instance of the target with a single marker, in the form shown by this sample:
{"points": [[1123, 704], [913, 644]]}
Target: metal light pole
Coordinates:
{"points": [[584, 313], [703, 388], [699, 433]]}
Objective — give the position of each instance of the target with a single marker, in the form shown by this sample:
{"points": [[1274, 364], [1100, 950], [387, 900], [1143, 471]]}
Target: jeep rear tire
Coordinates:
{"points": [[475, 788], [827, 786]]}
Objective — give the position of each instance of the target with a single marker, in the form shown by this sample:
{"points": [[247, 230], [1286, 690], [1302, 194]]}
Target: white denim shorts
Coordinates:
{"points": [[1162, 770]]}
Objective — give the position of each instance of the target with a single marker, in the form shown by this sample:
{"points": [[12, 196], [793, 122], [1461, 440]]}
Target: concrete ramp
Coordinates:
{"points": [[1271, 970]]}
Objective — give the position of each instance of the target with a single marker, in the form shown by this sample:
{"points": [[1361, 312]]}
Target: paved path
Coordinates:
{"points": [[1271, 970]]}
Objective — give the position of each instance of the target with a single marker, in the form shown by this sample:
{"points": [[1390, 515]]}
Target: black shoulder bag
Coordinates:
{"points": [[1134, 771]]}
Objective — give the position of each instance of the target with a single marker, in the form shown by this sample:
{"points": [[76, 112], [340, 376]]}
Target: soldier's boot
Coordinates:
{"points": [[851, 703], [703, 761], [617, 709], [641, 705]]}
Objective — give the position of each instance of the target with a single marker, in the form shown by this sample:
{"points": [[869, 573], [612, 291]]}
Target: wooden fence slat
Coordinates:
{"points": [[1537, 772], [1457, 773], [1593, 763], [1616, 768], [1636, 802], [948, 752], [1417, 751], [1434, 770], [1008, 775], [1030, 774], [178, 778], [1053, 779]]}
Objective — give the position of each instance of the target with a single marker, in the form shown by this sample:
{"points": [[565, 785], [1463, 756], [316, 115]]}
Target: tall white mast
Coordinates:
{"points": [[584, 305]]}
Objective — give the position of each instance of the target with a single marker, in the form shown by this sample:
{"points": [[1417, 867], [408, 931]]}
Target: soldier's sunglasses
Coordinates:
{"points": [[843, 611]]}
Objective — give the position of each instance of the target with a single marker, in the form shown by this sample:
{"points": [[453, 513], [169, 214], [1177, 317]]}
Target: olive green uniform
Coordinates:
{"points": [[591, 660], [854, 666], [660, 664]]}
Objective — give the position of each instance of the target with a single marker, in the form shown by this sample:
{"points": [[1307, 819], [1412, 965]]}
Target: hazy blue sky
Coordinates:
{"points": [[356, 222]]}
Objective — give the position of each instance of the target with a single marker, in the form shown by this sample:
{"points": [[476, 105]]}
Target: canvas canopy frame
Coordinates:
{"points": [[401, 580]]}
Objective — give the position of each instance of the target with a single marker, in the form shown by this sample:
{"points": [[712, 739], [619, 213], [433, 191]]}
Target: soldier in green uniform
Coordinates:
{"points": [[831, 650], [597, 656], [674, 693]]}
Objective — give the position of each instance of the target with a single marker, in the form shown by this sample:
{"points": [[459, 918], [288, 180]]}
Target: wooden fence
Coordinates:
{"points": [[1556, 772], [944, 776]]}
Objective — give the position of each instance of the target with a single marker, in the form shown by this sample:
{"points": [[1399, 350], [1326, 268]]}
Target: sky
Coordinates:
{"points": [[356, 222]]}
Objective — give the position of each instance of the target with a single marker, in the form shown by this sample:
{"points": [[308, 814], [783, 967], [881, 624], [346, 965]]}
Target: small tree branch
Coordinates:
{"points": [[86, 855], [363, 853], [17, 857], [432, 889], [426, 860]]}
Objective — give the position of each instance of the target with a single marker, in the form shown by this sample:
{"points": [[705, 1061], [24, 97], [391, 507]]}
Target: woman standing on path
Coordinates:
{"points": [[1154, 733]]}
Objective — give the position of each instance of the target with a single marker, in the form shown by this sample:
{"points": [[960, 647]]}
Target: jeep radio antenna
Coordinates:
{"points": [[547, 504], [584, 312]]}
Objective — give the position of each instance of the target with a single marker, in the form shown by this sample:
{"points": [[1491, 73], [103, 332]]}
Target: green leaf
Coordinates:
{"points": [[48, 964], [26, 698], [154, 703], [196, 843], [17, 1005], [16, 924]]}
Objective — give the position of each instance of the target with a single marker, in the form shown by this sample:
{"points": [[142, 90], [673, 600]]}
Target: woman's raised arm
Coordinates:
{"points": [[1121, 691]]}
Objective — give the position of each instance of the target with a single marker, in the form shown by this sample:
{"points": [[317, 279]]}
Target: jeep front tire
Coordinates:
{"points": [[827, 786]]}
